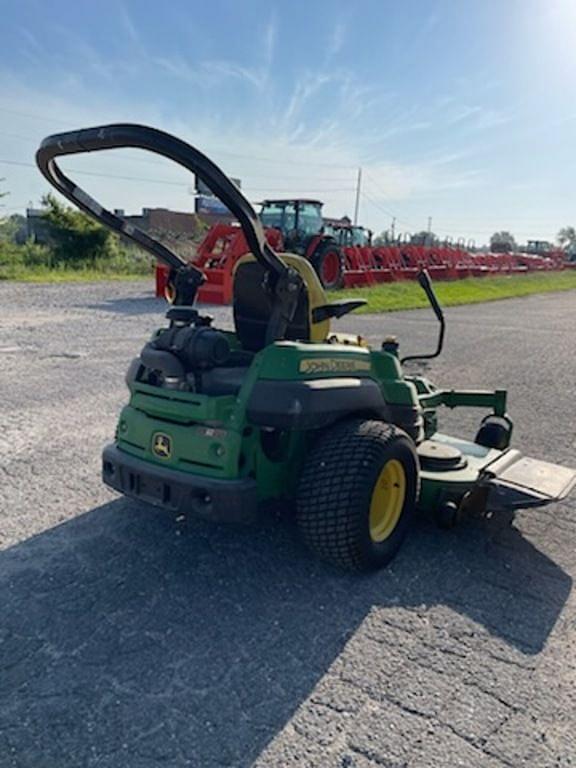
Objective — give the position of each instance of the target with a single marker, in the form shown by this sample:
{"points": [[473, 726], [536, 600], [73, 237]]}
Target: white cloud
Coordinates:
{"points": [[129, 25], [462, 113], [337, 39], [270, 34], [222, 69], [282, 150], [208, 73]]}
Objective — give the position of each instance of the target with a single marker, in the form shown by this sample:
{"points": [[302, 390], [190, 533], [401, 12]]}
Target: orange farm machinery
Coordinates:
{"points": [[350, 265]]}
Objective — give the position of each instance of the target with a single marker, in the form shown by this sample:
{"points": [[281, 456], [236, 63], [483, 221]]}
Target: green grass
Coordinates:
{"points": [[46, 275], [391, 297], [34, 263], [386, 297]]}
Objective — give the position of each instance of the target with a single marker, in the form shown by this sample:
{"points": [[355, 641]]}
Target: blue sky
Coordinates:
{"points": [[462, 110]]}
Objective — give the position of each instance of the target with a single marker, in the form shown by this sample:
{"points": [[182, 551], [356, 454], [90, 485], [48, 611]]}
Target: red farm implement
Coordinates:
{"points": [[217, 256], [345, 257], [294, 225]]}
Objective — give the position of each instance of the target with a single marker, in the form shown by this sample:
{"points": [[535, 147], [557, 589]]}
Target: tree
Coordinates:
{"points": [[2, 194], [74, 237], [502, 242], [567, 237], [423, 238], [384, 238], [13, 229]]}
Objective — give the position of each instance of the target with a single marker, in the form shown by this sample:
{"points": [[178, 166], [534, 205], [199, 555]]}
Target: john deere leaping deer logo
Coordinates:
{"points": [[162, 445]]}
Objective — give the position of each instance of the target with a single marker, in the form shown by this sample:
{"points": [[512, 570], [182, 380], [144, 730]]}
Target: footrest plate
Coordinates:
{"points": [[517, 482]]}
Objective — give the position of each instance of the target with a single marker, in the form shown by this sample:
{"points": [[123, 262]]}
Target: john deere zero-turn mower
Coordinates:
{"points": [[221, 421]]}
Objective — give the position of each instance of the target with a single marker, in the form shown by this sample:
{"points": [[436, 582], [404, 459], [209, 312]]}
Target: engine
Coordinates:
{"points": [[178, 355]]}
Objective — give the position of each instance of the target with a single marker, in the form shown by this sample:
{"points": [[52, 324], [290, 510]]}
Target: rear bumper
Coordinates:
{"points": [[211, 498]]}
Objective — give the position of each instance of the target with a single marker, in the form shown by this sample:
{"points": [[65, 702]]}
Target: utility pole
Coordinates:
{"points": [[357, 206], [429, 224], [393, 227]]}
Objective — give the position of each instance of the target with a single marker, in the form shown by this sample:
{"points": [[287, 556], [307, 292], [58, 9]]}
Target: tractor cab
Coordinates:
{"points": [[349, 235], [537, 247], [303, 232], [297, 220]]}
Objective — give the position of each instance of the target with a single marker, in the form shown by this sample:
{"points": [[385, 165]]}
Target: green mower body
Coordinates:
{"points": [[223, 456], [222, 423], [249, 445]]}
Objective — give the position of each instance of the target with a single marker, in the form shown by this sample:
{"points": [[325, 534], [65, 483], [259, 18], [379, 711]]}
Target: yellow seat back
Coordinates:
{"points": [[252, 309]]}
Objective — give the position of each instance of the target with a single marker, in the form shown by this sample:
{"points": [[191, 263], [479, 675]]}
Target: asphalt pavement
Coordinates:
{"points": [[132, 639]]}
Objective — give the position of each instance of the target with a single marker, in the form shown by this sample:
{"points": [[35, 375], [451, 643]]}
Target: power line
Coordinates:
{"points": [[31, 115], [168, 182], [149, 161], [377, 204], [461, 226], [104, 175], [382, 194], [308, 191], [253, 158], [14, 207], [387, 212]]}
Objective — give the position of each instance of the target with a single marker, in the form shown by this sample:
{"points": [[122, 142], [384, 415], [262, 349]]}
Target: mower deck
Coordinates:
{"points": [[504, 479]]}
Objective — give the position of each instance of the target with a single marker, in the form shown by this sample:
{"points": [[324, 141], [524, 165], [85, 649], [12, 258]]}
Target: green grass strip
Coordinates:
{"points": [[46, 275], [392, 297], [386, 297]]}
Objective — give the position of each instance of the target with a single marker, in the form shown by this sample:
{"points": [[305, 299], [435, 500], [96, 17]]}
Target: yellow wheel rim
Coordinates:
{"points": [[387, 500]]}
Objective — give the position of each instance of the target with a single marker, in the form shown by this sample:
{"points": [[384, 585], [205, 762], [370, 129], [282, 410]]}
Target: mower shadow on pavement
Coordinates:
{"points": [[131, 639], [132, 305], [147, 305]]}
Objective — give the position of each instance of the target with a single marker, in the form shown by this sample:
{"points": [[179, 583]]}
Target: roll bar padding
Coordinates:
{"points": [[122, 135]]}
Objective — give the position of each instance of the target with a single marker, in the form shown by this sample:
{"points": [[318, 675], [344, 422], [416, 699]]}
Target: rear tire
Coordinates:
{"points": [[328, 262], [357, 494]]}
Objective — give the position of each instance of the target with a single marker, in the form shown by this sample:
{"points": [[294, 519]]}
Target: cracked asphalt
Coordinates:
{"points": [[132, 639]]}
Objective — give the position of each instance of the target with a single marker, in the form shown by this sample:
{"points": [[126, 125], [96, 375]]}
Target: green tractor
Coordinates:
{"points": [[222, 422]]}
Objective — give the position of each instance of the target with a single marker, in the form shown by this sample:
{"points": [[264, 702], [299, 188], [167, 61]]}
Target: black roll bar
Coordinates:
{"points": [[124, 135]]}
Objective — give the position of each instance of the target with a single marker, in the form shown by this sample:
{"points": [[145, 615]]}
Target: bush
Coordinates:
{"points": [[34, 255], [126, 261], [77, 245], [13, 229], [75, 238], [28, 255]]}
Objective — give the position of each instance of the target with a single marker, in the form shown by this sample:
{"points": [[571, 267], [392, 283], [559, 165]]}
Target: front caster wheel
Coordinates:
{"points": [[494, 432], [447, 515], [357, 494]]}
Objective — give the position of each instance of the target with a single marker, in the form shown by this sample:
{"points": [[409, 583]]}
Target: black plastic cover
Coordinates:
{"points": [[313, 404]]}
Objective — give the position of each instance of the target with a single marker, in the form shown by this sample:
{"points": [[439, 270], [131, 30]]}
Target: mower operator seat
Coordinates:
{"points": [[252, 310]]}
